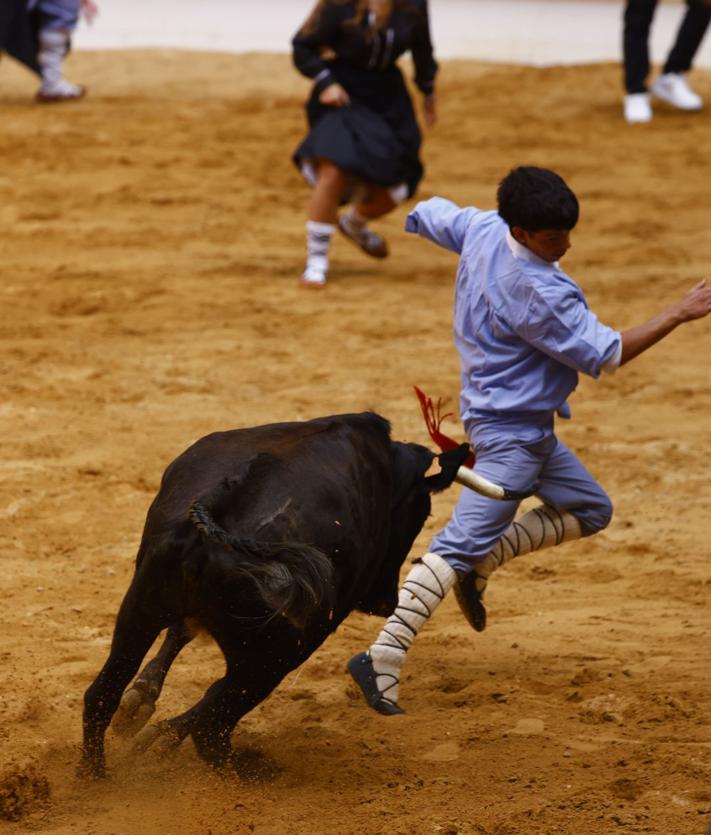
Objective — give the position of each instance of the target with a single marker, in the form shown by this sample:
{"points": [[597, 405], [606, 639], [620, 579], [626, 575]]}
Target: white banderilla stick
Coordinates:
{"points": [[479, 484]]}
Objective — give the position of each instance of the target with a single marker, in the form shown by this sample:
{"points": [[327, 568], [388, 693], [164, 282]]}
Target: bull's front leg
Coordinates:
{"points": [[132, 639]]}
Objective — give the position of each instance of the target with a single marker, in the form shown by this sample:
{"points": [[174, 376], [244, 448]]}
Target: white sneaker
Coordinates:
{"points": [[59, 90], [673, 88], [313, 277], [638, 108]]}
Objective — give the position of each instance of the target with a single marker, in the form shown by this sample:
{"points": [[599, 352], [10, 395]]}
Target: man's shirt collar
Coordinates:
{"points": [[523, 253]]}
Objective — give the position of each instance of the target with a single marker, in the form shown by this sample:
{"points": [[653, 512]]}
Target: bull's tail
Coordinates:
{"points": [[293, 579]]}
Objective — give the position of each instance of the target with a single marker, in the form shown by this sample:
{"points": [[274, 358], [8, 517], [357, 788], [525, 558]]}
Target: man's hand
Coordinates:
{"points": [[694, 305], [697, 302], [430, 108], [334, 96]]}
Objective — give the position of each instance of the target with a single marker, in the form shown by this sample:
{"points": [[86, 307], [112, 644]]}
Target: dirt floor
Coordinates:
{"points": [[152, 236]]}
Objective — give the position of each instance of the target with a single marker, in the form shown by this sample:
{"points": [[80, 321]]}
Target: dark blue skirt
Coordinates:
{"points": [[17, 35], [376, 138]]}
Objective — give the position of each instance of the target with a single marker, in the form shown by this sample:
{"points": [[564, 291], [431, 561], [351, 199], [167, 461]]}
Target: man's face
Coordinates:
{"points": [[548, 244]]}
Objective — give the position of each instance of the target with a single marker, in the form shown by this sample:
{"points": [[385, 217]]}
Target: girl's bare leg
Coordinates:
{"points": [[322, 214], [376, 202]]}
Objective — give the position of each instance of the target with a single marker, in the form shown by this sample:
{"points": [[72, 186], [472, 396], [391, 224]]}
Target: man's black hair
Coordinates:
{"points": [[536, 198]]}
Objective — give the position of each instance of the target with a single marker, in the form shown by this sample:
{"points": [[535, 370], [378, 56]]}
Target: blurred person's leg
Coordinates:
{"points": [[376, 202], [331, 182], [672, 86], [635, 48], [635, 43], [57, 19], [688, 40]]}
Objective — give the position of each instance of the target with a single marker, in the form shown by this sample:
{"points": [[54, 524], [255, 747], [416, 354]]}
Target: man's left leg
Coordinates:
{"points": [[575, 506]]}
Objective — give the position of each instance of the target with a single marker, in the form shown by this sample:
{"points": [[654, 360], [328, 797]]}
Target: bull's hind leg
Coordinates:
{"points": [[134, 633], [211, 721], [250, 678], [139, 701], [225, 703]]}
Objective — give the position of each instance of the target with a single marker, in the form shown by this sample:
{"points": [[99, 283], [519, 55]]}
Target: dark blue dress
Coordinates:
{"points": [[376, 138]]}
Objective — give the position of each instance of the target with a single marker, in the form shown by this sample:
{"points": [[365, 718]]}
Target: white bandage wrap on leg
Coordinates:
{"points": [[53, 47], [542, 527], [318, 243], [424, 589]]}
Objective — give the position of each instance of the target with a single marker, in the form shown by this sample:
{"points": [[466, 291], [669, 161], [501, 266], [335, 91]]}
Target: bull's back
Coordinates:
{"points": [[273, 477]]}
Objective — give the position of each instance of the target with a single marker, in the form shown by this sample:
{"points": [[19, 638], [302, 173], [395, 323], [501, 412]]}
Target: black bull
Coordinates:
{"points": [[267, 538]]}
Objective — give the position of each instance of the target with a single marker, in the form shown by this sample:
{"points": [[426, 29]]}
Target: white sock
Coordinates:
{"points": [[318, 243], [424, 589]]}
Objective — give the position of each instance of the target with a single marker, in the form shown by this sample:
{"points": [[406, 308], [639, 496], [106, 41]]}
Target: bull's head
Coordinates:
{"points": [[411, 505]]}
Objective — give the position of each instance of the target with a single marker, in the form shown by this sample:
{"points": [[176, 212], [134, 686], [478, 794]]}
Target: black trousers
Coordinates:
{"points": [[637, 23]]}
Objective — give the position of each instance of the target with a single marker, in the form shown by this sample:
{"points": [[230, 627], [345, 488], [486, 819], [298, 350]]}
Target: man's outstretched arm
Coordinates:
{"points": [[441, 221], [695, 304]]}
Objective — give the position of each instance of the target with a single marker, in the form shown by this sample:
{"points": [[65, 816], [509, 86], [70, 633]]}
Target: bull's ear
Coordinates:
{"points": [[450, 462]]}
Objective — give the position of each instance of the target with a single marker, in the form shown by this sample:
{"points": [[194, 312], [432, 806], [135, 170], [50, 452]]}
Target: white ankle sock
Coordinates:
{"points": [[318, 242], [424, 589]]}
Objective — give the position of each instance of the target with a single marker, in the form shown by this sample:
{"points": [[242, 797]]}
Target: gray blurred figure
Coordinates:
{"points": [[55, 21]]}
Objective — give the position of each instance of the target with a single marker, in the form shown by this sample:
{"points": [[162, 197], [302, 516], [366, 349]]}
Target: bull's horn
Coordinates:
{"points": [[482, 485]]}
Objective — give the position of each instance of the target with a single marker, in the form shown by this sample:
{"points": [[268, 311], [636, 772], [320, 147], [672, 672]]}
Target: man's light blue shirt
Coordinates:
{"points": [[522, 326]]}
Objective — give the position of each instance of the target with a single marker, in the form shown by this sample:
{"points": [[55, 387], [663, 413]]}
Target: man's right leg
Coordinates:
{"points": [[575, 505]]}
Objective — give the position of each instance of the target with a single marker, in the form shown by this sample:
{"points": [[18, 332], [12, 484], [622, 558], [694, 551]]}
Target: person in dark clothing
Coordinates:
{"points": [[364, 141], [16, 35], [671, 86]]}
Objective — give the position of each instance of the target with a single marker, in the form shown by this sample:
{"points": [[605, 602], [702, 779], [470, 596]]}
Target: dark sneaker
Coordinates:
{"points": [[361, 668], [470, 600], [370, 242]]}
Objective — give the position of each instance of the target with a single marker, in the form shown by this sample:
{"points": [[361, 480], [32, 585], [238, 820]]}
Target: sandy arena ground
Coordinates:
{"points": [[151, 241]]}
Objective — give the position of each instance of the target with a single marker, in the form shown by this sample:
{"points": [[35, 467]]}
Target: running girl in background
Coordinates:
{"points": [[364, 142], [56, 20]]}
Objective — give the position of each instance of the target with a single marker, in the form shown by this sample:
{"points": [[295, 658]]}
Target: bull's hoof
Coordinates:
{"points": [[90, 769], [253, 766], [470, 600], [135, 710], [162, 738], [361, 669]]}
